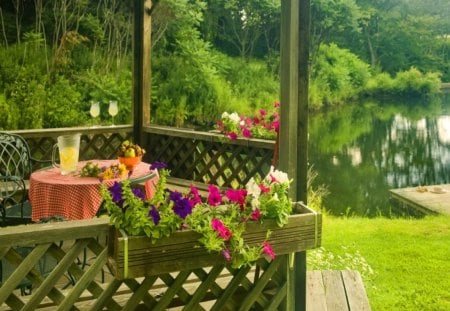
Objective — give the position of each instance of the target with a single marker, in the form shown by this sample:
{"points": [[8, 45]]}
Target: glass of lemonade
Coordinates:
{"points": [[69, 149]]}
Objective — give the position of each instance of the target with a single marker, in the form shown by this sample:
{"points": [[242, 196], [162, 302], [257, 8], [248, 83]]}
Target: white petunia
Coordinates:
{"points": [[279, 176], [225, 115], [235, 117], [253, 188]]}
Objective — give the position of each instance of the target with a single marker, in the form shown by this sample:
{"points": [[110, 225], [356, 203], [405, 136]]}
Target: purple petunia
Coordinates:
{"points": [[158, 165], [175, 196], [138, 193], [182, 207], [116, 193], [153, 213]]}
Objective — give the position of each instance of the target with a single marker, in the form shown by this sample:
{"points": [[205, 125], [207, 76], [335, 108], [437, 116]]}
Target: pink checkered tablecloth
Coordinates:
{"points": [[74, 197]]}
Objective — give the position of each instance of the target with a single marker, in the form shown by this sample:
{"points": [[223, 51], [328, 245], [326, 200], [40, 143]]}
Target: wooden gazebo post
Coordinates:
{"points": [[293, 147], [141, 67]]}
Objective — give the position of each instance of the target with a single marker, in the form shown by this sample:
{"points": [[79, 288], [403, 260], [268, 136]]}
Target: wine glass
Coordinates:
{"points": [[113, 109], [95, 110]]}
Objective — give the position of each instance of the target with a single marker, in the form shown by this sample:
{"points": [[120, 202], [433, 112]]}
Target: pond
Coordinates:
{"points": [[360, 151]]}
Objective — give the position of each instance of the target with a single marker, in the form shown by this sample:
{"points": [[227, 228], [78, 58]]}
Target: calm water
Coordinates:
{"points": [[361, 151]]}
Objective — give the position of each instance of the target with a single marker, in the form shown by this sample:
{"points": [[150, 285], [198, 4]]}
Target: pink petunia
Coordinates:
{"points": [[276, 104], [194, 196], [214, 197], [246, 133], [256, 214], [232, 135], [237, 196], [276, 125], [256, 120], [268, 250], [223, 231], [262, 112]]}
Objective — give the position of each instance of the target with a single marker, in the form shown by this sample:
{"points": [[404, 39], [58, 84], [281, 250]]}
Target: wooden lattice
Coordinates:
{"points": [[210, 158]]}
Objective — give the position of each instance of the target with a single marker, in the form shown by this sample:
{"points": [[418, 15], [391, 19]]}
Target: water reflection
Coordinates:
{"points": [[361, 151]]}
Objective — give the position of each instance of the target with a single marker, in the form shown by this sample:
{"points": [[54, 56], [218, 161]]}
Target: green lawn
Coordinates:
{"points": [[410, 259]]}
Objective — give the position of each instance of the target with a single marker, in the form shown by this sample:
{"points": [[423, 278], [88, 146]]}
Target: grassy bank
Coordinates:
{"points": [[405, 263]]}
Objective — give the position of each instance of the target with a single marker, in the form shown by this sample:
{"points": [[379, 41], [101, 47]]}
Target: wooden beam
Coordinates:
{"points": [[141, 67], [293, 148]]}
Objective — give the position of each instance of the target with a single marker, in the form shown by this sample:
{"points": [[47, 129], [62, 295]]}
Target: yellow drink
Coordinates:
{"points": [[68, 159]]}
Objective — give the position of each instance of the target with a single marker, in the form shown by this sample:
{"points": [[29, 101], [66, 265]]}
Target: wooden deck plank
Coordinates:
{"points": [[315, 292], [335, 290], [356, 293], [425, 199]]}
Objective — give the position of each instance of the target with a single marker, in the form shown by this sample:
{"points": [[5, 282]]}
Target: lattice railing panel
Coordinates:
{"points": [[209, 160], [212, 288]]}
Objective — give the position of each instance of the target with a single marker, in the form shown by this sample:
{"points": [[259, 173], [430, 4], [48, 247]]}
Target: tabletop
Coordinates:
{"points": [[75, 197]]}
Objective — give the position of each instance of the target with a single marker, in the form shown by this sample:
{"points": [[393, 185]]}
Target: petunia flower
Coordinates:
{"points": [[262, 112], [276, 104], [116, 193], [158, 165], [138, 193], [232, 136], [182, 207], [237, 196], [256, 214], [246, 132], [264, 188], [175, 196], [268, 250], [223, 231], [194, 196], [154, 215], [214, 197]]}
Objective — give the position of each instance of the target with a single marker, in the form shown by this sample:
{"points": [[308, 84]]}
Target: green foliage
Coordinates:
{"points": [[410, 83], [337, 75]]}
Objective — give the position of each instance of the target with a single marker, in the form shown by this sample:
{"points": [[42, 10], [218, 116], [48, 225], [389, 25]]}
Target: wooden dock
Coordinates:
{"points": [[426, 199]]}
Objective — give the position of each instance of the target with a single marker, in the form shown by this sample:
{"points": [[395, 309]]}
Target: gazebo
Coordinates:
{"points": [[280, 284]]}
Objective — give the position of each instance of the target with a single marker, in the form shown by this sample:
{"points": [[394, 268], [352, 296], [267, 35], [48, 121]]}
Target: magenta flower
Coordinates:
{"points": [[214, 197], [232, 136], [267, 249], [276, 125], [262, 112], [246, 133], [237, 196], [194, 196], [276, 104], [256, 120], [256, 214], [223, 231]]}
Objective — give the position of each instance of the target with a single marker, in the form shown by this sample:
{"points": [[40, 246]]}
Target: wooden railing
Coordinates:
{"points": [[192, 155]]}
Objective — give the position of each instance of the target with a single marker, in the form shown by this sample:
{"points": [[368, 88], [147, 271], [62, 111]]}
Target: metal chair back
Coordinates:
{"points": [[15, 168]]}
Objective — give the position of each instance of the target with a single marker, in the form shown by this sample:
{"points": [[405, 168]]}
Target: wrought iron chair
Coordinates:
{"points": [[15, 169]]}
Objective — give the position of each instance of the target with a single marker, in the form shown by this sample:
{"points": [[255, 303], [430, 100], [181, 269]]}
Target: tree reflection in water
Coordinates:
{"points": [[361, 151]]}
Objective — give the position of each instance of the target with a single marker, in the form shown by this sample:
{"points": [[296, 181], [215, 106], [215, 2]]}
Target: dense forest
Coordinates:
{"points": [[209, 56]]}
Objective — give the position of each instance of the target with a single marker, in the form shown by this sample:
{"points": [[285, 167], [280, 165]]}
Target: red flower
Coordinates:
{"points": [[276, 104], [264, 189], [256, 214]]}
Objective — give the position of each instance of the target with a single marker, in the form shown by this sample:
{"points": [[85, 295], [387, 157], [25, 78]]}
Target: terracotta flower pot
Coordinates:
{"points": [[130, 162]]}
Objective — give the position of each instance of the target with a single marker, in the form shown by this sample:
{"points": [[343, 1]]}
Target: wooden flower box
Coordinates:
{"points": [[137, 256]]}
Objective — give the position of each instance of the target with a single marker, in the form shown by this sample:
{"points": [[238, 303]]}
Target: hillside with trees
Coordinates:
{"points": [[209, 57]]}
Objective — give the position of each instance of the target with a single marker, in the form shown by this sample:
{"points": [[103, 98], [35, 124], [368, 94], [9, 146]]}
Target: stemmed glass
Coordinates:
{"points": [[95, 110], [113, 109]]}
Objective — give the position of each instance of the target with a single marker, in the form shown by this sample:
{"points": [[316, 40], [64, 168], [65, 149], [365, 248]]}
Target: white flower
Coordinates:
{"points": [[279, 176], [234, 117], [253, 188], [255, 203], [242, 123], [225, 115]]}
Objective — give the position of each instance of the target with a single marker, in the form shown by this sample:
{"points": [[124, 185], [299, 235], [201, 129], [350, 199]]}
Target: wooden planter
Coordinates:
{"points": [[137, 256]]}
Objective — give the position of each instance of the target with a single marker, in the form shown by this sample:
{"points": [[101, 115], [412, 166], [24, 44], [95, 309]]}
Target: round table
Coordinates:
{"points": [[75, 197]]}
